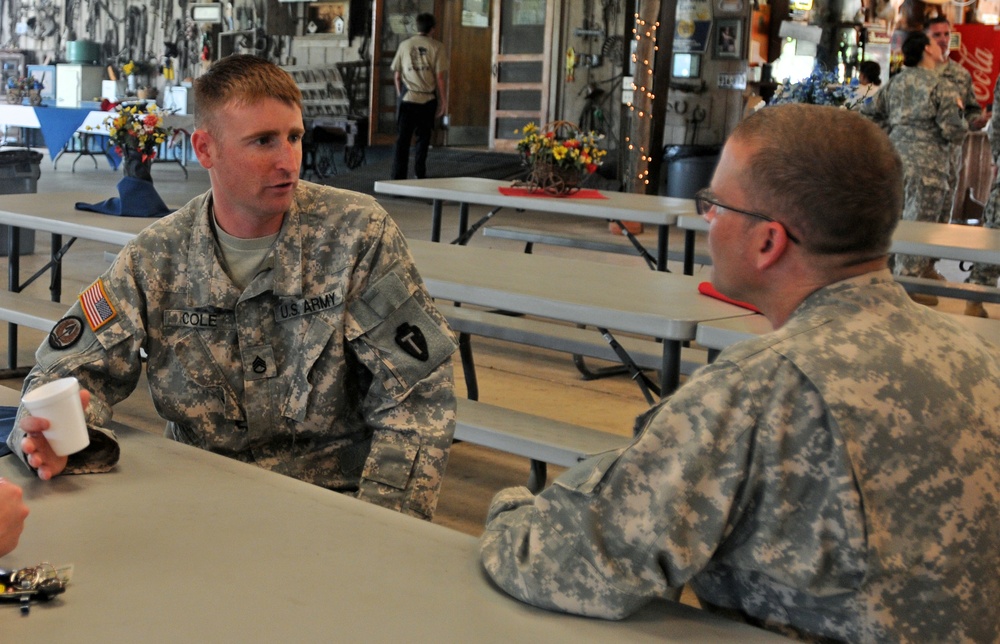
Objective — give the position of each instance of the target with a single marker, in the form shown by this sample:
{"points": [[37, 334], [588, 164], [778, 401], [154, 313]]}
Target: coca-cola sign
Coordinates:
{"points": [[979, 52]]}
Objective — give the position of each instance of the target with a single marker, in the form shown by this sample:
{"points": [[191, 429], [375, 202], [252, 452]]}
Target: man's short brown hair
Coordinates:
{"points": [[831, 175], [242, 79]]}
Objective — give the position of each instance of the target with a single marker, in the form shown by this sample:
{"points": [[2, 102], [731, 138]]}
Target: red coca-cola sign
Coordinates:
{"points": [[979, 52]]}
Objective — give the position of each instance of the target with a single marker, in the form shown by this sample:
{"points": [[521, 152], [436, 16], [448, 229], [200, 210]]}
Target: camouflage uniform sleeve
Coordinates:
{"points": [[106, 361], [406, 345], [973, 109], [630, 525], [950, 120], [877, 109]]}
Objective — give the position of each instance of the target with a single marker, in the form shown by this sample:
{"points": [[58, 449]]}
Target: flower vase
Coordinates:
{"points": [[130, 84], [14, 96], [134, 166]]}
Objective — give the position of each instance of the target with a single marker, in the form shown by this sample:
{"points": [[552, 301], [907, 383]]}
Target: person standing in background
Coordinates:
{"points": [[959, 81], [869, 83], [987, 274], [419, 70], [924, 119]]}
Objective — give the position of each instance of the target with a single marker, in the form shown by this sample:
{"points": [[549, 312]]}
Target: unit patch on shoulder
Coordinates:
{"points": [[96, 306], [66, 333], [411, 339]]}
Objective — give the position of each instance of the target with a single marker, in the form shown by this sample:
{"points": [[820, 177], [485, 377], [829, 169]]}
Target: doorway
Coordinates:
{"points": [[521, 70], [465, 28], [468, 34]]}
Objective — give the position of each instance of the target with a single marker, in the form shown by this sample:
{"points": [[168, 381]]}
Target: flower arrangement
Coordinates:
{"points": [[819, 88], [134, 129], [24, 84], [558, 154], [545, 145]]}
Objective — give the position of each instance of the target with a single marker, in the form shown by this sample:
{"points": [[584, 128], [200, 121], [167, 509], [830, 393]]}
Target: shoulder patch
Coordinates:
{"points": [[411, 339], [66, 333], [96, 306]]}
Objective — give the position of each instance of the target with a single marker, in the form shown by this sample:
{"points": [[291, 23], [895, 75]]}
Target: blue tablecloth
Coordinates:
{"points": [[59, 124]]}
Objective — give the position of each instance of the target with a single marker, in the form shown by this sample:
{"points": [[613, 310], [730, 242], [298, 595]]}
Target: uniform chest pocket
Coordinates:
{"points": [[202, 374]]}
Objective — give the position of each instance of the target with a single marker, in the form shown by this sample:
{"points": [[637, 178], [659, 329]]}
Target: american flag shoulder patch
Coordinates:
{"points": [[96, 306]]}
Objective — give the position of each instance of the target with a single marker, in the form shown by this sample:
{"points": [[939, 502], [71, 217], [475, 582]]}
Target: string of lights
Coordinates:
{"points": [[640, 107]]}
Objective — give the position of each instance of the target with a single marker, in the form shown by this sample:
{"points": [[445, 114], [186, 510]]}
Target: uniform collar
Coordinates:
{"points": [[209, 285]]}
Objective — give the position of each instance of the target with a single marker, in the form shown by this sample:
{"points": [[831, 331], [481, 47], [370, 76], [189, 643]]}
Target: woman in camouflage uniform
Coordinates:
{"points": [[924, 119]]}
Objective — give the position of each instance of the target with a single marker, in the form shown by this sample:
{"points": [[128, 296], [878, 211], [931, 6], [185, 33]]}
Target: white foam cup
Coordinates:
{"points": [[59, 403]]}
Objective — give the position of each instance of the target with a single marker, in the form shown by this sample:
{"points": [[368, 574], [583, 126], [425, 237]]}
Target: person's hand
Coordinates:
{"points": [[441, 111], [36, 448], [13, 511]]}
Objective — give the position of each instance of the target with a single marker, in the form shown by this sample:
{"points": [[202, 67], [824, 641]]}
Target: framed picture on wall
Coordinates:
{"points": [[328, 18], [728, 38]]}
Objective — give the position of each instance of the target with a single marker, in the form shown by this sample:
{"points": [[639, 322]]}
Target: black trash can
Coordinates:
{"points": [[687, 169], [19, 172]]}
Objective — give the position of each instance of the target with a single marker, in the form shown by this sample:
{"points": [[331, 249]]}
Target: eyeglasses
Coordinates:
{"points": [[705, 199]]}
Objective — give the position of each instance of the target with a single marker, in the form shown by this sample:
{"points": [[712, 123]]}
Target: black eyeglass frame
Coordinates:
{"points": [[706, 196]]}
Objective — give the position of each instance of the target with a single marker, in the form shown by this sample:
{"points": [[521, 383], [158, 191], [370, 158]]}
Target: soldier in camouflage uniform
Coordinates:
{"points": [[924, 120], [834, 480], [284, 322], [959, 82], [988, 274]]}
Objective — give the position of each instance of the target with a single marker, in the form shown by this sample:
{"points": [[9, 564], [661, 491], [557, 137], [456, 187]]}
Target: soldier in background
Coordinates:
{"points": [[834, 480], [924, 119], [988, 274], [959, 82], [284, 323]]}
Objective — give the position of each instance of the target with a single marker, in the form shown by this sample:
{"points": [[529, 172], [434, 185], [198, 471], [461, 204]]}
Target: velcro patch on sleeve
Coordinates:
{"points": [[97, 307]]}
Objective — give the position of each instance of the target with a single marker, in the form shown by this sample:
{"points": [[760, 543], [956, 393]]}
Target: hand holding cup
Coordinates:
{"points": [[57, 426]]}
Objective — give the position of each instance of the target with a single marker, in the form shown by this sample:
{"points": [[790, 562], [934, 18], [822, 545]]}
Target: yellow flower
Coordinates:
{"points": [[548, 144]]}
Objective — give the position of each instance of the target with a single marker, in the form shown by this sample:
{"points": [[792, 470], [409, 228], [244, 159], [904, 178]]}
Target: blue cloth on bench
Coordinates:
{"points": [[7, 415], [137, 198]]}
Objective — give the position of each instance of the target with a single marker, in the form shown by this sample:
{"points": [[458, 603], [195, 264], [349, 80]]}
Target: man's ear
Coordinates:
{"points": [[202, 144], [771, 245]]}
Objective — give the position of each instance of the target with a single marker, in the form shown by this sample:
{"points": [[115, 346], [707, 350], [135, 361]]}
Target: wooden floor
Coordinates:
{"points": [[536, 381]]}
